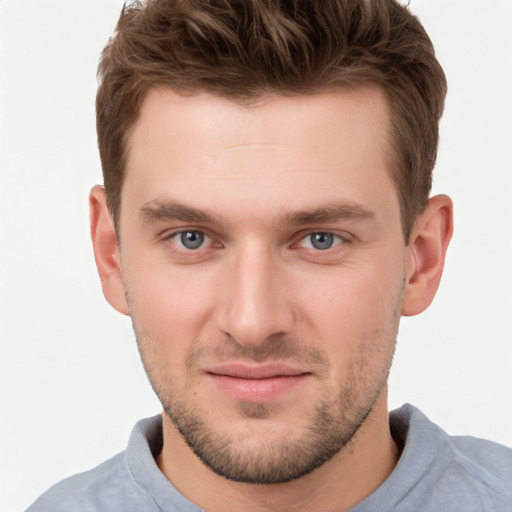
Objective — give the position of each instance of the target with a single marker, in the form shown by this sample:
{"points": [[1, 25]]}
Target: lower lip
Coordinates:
{"points": [[256, 390]]}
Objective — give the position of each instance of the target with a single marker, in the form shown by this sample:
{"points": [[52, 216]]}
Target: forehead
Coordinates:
{"points": [[216, 121], [281, 152]]}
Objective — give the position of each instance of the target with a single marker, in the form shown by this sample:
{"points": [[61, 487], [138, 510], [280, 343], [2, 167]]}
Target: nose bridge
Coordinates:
{"points": [[254, 302]]}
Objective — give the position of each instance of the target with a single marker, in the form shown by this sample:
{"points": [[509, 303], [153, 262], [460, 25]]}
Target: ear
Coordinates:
{"points": [[429, 241], [106, 250]]}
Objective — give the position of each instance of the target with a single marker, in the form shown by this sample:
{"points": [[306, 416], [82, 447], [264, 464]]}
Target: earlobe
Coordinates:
{"points": [[429, 241], [106, 250]]}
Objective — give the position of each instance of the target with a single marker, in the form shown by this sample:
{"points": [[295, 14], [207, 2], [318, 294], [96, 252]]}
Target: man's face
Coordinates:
{"points": [[263, 261]]}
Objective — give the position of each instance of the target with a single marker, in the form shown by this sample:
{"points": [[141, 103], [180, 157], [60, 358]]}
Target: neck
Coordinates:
{"points": [[339, 484]]}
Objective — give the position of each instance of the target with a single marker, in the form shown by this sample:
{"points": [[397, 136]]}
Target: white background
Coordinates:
{"points": [[71, 385]]}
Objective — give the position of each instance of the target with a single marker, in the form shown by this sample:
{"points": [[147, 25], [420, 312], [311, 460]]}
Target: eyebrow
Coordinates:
{"points": [[330, 213], [170, 210], [164, 210]]}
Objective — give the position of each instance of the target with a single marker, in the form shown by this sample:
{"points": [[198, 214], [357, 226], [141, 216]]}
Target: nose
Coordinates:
{"points": [[254, 300]]}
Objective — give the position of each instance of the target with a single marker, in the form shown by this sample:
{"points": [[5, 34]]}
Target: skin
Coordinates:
{"points": [[258, 182]]}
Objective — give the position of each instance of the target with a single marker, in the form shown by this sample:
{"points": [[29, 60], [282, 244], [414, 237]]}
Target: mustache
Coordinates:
{"points": [[272, 349]]}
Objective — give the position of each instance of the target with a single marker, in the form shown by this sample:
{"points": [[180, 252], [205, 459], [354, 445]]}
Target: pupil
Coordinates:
{"points": [[192, 239], [322, 241]]}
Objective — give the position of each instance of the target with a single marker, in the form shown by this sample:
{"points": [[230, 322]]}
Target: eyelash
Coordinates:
{"points": [[337, 239], [341, 239], [174, 234]]}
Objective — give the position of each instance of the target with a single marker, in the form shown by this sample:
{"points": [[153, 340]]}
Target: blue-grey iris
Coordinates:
{"points": [[192, 239], [322, 241]]}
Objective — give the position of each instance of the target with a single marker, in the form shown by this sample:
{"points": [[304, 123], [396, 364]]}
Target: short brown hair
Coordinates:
{"points": [[245, 49]]}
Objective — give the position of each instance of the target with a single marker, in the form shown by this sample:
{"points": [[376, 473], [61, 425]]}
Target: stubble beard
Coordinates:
{"points": [[270, 461], [274, 460], [334, 424]]}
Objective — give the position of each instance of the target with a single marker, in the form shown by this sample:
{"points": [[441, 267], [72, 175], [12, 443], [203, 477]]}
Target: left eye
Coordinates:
{"points": [[190, 239], [321, 241]]}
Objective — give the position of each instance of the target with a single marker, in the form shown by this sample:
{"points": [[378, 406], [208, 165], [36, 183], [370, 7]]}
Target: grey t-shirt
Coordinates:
{"points": [[435, 473]]}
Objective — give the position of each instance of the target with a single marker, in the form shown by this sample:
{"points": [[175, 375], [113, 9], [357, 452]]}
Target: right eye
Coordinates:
{"points": [[189, 239]]}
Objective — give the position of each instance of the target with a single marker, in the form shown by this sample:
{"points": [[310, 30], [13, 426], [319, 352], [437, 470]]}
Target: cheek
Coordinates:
{"points": [[352, 306], [169, 307], [164, 290]]}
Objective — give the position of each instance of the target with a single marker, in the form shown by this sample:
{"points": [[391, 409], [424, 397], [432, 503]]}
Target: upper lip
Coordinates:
{"points": [[258, 371]]}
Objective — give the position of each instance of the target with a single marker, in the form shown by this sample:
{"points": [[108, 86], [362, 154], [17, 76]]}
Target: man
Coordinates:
{"points": [[265, 222]]}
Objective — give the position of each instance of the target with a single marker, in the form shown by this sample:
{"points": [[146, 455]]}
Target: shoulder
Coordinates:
{"points": [[110, 486], [456, 471], [486, 465]]}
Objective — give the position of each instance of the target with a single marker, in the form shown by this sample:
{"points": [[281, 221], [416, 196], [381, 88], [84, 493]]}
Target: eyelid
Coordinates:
{"points": [[343, 236], [169, 235], [170, 232], [212, 239], [337, 240]]}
